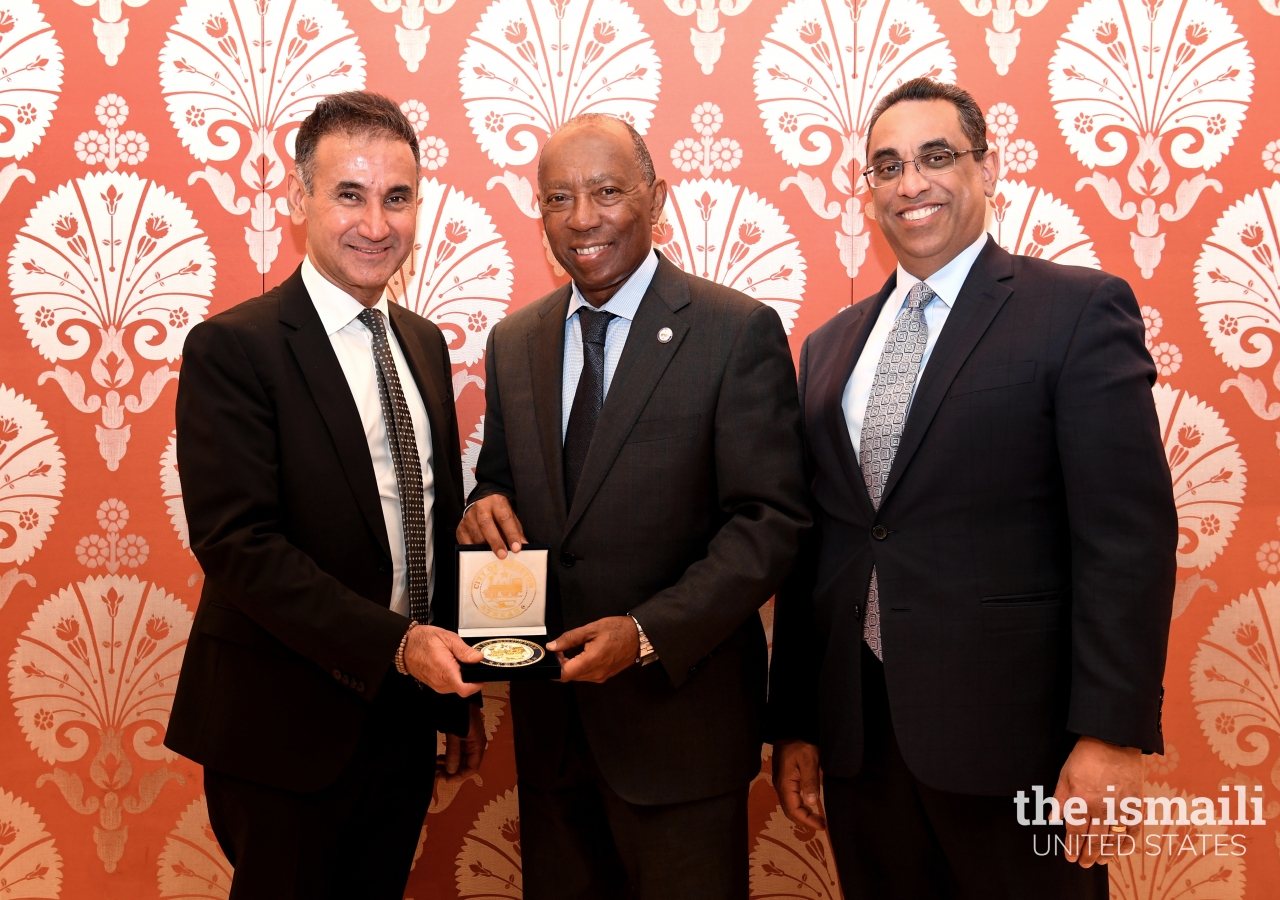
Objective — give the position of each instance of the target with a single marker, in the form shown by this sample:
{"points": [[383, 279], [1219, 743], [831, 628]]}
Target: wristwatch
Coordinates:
{"points": [[647, 654]]}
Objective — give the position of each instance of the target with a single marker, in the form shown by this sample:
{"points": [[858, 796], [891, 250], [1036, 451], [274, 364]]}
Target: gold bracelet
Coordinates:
{"points": [[404, 642]]}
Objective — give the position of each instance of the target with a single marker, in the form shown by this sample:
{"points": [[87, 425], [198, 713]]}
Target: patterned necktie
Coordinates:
{"points": [[588, 399], [884, 419], [404, 456]]}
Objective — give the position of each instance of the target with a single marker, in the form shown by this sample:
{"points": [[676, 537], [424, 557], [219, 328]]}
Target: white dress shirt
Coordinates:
{"points": [[945, 284], [623, 305], [353, 345]]}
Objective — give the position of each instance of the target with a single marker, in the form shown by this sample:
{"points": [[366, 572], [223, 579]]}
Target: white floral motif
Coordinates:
{"points": [[459, 273], [115, 262], [1238, 291], [1019, 155], [1032, 222], [1002, 43], [32, 470], [1181, 868], [412, 35], [30, 82], [171, 490], [529, 67], [111, 550], [1209, 476], [707, 38], [432, 150], [109, 28], [1235, 680], [30, 865], [1268, 557], [791, 860], [724, 232], [192, 865], [819, 74], [231, 67], [1271, 156], [114, 147], [101, 656], [489, 863], [1176, 72], [704, 153]]}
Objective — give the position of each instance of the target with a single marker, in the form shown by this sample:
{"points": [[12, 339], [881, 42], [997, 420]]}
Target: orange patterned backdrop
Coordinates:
{"points": [[143, 149]]}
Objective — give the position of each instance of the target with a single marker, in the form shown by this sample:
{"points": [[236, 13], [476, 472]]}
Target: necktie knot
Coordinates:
{"points": [[371, 319], [595, 325], [920, 296]]}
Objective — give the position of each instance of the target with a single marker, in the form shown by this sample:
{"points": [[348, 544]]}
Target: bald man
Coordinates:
{"points": [[645, 424]]}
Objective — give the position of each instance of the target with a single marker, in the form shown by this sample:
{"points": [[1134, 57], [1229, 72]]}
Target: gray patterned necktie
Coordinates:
{"points": [[884, 419], [404, 457]]}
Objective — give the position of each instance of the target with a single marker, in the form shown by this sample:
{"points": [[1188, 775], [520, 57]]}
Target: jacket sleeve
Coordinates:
{"points": [[797, 648], [228, 459], [1123, 523], [493, 468], [760, 483]]}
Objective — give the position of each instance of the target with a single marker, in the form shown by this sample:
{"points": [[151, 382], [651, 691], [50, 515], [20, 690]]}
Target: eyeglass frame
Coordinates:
{"points": [[915, 160]]}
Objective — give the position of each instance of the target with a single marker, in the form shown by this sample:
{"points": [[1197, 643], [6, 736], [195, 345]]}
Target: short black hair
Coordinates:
{"points": [[972, 121], [643, 159], [354, 113]]}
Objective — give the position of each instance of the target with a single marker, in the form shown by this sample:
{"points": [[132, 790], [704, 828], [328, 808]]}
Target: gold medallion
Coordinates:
{"points": [[503, 589], [509, 652]]}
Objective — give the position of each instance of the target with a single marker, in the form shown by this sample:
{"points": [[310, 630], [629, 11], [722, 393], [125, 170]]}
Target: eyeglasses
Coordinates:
{"points": [[932, 162]]}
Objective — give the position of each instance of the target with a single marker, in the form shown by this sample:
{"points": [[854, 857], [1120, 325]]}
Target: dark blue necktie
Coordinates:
{"points": [[589, 398]]}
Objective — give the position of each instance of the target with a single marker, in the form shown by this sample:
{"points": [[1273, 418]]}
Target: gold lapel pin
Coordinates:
{"points": [[665, 335]]}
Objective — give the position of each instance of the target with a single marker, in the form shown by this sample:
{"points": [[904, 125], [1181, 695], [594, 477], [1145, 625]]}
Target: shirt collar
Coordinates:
{"points": [[624, 303], [947, 281], [336, 307]]}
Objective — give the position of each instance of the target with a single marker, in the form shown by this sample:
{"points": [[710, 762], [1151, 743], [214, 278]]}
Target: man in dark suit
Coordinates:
{"points": [[984, 602], [321, 474], [644, 424]]}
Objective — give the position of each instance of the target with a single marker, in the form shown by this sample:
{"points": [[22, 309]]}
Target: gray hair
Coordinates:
{"points": [[643, 159], [354, 113]]}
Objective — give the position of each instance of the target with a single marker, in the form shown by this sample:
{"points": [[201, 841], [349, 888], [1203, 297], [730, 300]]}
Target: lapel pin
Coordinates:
{"points": [[664, 335]]}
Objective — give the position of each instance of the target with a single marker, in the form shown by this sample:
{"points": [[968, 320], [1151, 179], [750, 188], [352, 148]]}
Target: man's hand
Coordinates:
{"points": [[797, 778], [432, 655], [462, 756], [492, 521], [1093, 767], [609, 645]]}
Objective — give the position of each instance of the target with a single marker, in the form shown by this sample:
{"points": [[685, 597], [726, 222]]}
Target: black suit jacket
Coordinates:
{"points": [[1026, 544], [293, 640], [688, 514]]}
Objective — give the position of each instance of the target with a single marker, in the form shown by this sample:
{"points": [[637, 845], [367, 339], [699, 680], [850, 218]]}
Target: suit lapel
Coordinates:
{"points": [[644, 359], [329, 389], [980, 299], [425, 363], [546, 364], [847, 352]]}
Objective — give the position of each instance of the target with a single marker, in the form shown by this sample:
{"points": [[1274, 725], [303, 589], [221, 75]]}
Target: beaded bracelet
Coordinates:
{"points": [[404, 642]]}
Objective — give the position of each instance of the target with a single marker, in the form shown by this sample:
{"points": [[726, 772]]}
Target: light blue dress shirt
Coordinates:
{"points": [[945, 284], [623, 305]]}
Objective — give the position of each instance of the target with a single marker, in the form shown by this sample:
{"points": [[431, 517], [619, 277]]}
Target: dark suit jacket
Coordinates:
{"points": [[293, 640], [688, 514], [1026, 538]]}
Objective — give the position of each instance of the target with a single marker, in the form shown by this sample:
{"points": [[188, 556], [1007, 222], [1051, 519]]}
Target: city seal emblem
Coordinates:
{"points": [[509, 652], [503, 589]]}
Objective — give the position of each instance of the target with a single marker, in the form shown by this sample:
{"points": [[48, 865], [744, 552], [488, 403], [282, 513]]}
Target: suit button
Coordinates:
{"points": [[879, 532], [359, 686], [337, 674], [857, 612], [346, 679], [567, 559], [384, 566]]}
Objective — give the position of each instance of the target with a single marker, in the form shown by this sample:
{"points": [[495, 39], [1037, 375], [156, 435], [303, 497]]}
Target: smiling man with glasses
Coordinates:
{"points": [[983, 604]]}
